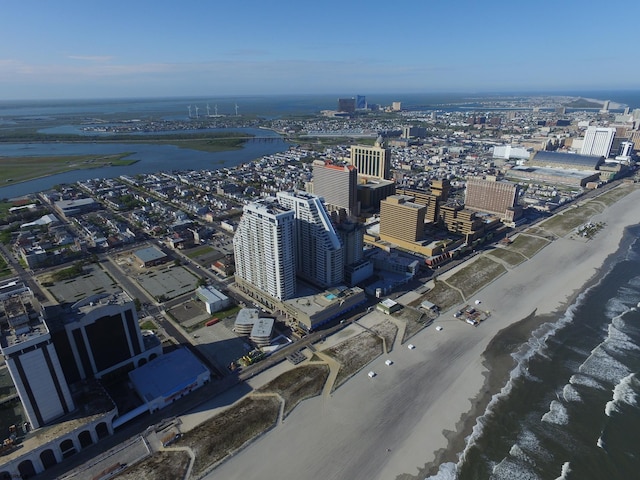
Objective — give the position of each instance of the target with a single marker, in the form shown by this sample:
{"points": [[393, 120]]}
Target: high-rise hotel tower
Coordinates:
{"points": [[264, 248]]}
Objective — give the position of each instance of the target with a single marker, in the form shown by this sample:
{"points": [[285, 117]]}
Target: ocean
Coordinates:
{"points": [[570, 408]]}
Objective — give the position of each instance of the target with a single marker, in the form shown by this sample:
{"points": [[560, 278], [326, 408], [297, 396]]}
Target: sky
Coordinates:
{"points": [[137, 48]]}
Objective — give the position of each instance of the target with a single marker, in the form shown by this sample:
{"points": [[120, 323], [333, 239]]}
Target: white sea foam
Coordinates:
{"points": [[600, 442], [566, 470], [518, 453], [603, 366], [570, 394], [536, 343], [529, 442], [622, 393], [508, 469], [447, 471], [618, 339], [557, 414], [585, 380]]}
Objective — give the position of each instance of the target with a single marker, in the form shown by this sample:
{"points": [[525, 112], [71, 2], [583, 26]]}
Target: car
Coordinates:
{"points": [[371, 374], [411, 346], [388, 362], [439, 328]]}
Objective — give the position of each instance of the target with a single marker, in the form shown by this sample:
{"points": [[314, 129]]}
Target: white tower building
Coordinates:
{"points": [[598, 141], [264, 248], [317, 246]]}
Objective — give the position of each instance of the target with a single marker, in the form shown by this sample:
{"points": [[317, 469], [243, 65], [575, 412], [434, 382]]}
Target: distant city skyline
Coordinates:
{"points": [[72, 49]]}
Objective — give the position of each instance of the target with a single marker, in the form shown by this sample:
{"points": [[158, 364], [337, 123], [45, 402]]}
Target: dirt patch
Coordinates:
{"points": [[298, 384], [354, 354], [230, 430], [388, 331], [172, 464]]}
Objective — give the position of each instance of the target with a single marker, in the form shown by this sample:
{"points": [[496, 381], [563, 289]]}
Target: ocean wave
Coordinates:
{"points": [[446, 471], [536, 343], [509, 468], [586, 381], [570, 394], [618, 339], [603, 366], [566, 470], [557, 414], [518, 453], [623, 393]]}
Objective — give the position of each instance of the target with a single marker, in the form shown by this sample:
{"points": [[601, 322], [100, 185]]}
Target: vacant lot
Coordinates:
{"points": [[353, 354], [172, 464], [227, 432], [476, 275], [298, 384]]}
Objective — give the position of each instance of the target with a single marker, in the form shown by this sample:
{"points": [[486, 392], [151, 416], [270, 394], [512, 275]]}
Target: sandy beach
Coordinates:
{"points": [[395, 423]]}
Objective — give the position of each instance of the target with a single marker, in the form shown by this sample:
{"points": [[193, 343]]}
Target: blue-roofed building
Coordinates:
{"points": [[571, 161], [168, 377]]}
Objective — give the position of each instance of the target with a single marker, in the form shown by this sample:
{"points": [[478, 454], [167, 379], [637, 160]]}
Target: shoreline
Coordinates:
{"points": [[418, 413], [499, 363]]}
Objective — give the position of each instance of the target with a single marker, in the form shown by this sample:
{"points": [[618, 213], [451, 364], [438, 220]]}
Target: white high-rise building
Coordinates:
{"points": [[264, 248], [598, 141], [318, 249]]}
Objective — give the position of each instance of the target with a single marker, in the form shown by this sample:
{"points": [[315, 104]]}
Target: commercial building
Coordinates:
{"points": [[78, 206], [372, 161], [168, 378], [245, 320], [347, 105], [338, 185], [264, 250], [491, 196], [371, 191], [598, 141], [262, 331], [570, 161], [318, 251], [401, 219], [213, 299], [150, 256]]}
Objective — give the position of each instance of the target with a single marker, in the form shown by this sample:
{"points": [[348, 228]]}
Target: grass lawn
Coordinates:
{"points": [[527, 245], [509, 257], [615, 194], [476, 275], [20, 169], [196, 252], [172, 464], [442, 295], [564, 223]]}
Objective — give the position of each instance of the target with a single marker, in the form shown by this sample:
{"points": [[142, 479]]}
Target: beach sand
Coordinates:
{"points": [[401, 420]]}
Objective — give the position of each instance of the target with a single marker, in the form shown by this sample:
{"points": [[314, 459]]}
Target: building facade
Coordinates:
{"points": [[264, 249], [372, 161], [338, 185], [598, 141], [491, 196], [318, 251], [402, 219]]}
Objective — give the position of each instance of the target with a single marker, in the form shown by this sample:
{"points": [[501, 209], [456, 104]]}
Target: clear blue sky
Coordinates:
{"points": [[91, 49]]}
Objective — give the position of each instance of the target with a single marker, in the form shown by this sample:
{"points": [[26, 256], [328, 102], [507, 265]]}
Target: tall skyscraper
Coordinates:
{"points": [[372, 161], [491, 196], [598, 141], [338, 185], [361, 102], [347, 105], [318, 251], [264, 248]]}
